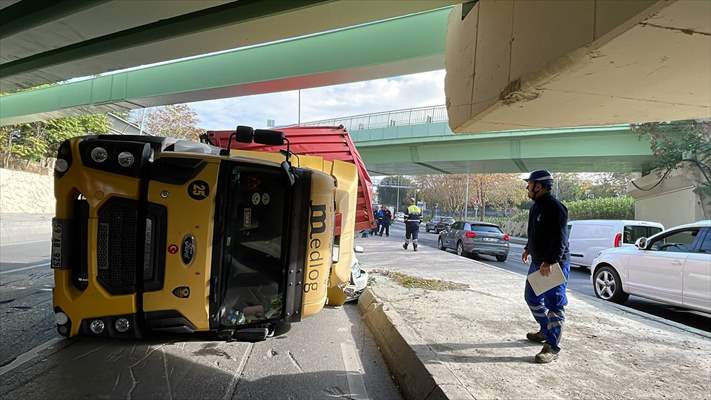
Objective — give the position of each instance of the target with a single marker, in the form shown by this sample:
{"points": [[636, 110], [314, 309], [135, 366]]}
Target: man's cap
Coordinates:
{"points": [[412, 199], [540, 175]]}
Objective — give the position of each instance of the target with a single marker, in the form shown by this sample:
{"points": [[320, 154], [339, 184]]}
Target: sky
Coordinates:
{"points": [[407, 91]]}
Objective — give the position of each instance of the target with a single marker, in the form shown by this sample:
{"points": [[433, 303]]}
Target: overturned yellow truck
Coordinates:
{"points": [[159, 234]]}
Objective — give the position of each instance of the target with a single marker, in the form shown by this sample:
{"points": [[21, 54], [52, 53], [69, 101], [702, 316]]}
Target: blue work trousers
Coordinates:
{"points": [[549, 307]]}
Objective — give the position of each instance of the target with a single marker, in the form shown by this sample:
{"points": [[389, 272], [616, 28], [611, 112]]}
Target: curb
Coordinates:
{"points": [[415, 367]]}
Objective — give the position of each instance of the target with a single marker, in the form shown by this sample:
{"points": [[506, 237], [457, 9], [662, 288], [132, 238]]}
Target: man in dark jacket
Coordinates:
{"points": [[387, 220], [547, 245]]}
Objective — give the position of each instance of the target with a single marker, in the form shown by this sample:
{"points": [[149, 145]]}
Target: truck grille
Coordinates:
{"points": [[117, 245]]}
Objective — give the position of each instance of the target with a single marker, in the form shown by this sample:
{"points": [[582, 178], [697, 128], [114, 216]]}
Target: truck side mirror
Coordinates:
{"points": [[244, 134], [641, 243], [269, 137]]}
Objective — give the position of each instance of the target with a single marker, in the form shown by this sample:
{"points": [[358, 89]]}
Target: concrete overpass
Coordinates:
{"points": [[45, 42], [511, 64], [419, 142], [415, 43]]}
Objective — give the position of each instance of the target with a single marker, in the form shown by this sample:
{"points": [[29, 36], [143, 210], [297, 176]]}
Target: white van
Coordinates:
{"points": [[587, 238]]}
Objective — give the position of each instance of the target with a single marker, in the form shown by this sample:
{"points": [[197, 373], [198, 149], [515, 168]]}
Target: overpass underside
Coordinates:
{"points": [[413, 150], [521, 64]]}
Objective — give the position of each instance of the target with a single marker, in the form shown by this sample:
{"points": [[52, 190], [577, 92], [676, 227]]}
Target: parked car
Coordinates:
{"points": [[673, 267], [400, 216], [588, 238], [474, 238], [438, 224]]}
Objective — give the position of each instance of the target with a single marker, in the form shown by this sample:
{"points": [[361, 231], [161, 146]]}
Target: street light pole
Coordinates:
{"points": [[466, 198], [397, 202]]}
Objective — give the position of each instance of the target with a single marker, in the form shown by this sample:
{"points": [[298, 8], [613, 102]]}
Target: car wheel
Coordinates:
{"points": [[608, 286], [440, 244], [460, 250], [501, 258]]}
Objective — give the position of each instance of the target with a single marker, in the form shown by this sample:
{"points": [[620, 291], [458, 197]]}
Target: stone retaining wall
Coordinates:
{"points": [[25, 192]]}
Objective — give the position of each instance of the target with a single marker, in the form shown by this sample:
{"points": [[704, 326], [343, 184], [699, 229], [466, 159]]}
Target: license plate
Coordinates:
{"points": [[491, 240], [60, 252]]}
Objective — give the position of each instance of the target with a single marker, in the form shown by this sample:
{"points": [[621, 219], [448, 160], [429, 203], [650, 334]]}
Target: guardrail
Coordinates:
{"points": [[411, 116]]}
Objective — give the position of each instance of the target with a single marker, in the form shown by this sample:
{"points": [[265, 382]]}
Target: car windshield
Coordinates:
{"points": [[252, 244], [486, 228]]}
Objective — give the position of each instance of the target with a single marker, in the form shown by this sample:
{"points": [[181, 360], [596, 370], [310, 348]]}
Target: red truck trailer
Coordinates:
{"points": [[330, 142]]}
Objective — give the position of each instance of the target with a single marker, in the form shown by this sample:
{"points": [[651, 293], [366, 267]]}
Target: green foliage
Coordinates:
{"points": [[389, 195], [177, 120], [602, 208], [680, 141], [40, 140]]}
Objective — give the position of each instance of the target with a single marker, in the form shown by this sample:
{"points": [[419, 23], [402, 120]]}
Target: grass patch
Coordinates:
{"points": [[414, 282]]}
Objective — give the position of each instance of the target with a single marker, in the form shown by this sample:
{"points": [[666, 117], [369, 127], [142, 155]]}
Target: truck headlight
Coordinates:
{"points": [[125, 159], [122, 325], [61, 318], [99, 154], [61, 165], [96, 326]]}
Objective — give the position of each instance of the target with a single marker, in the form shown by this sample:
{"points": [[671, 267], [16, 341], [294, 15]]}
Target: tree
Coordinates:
{"points": [[389, 195], [501, 191], [443, 191], [40, 140], [681, 143], [177, 120]]}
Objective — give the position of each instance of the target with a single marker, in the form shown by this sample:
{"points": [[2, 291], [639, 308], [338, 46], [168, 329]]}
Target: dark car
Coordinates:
{"points": [[438, 224], [474, 238]]}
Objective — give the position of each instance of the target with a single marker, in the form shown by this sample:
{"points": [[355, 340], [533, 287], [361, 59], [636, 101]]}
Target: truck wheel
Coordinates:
{"points": [[608, 286]]}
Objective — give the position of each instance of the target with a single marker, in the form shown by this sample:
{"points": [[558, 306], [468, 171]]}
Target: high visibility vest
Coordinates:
{"points": [[413, 209]]}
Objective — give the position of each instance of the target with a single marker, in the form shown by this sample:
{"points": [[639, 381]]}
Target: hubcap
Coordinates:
{"points": [[605, 284]]}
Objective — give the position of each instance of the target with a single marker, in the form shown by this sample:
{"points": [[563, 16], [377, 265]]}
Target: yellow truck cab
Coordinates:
{"points": [[159, 234]]}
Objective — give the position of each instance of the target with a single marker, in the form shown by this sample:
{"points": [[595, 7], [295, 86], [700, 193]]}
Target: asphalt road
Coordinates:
{"points": [[579, 282], [330, 355]]}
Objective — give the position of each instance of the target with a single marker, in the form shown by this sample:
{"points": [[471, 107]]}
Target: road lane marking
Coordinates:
{"points": [[29, 355], [45, 264], [354, 372]]}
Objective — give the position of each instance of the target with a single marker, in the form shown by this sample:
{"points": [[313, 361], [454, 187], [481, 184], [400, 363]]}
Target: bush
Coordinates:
{"points": [[602, 208]]}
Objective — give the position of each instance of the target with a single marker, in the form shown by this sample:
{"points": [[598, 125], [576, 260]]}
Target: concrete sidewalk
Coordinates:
{"points": [[470, 343]]}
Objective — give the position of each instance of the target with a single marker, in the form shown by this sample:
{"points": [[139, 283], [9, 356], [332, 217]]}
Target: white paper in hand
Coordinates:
{"points": [[541, 284]]}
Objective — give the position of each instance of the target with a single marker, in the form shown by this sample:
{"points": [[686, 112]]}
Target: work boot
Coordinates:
{"points": [[536, 337], [404, 246], [547, 354]]}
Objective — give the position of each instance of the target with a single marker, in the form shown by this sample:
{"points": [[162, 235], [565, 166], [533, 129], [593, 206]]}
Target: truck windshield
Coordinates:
{"points": [[253, 271]]}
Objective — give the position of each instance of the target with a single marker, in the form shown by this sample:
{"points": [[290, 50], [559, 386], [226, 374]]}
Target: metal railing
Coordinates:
{"points": [[411, 116]]}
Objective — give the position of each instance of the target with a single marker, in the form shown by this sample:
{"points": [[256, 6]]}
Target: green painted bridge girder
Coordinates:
{"points": [[413, 151], [398, 46]]}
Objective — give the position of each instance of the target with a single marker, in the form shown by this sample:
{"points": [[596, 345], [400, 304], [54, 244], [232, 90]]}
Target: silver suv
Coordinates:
{"points": [[474, 238]]}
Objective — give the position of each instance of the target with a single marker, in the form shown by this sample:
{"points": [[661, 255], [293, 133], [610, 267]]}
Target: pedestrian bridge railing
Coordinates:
{"points": [[386, 119]]}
